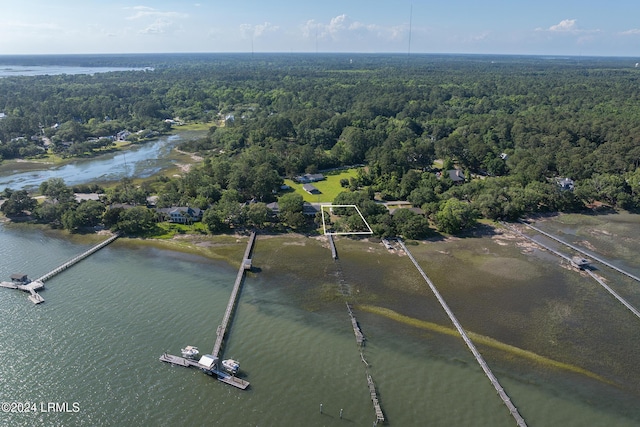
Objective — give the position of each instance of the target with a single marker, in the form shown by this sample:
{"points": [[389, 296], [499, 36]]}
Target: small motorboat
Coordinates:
{"points": [[190, 352], [231, 365]]}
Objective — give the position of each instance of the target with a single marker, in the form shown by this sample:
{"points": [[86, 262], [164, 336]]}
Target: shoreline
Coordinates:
{"points": [[32, 164], [384, 285]]}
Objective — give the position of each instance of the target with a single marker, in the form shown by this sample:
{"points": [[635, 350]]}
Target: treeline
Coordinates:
{"points": [[509, 125]]}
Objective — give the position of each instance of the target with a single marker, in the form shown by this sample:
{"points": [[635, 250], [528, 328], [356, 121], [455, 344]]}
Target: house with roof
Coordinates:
{"points": [[310, 189], [309, 177], [566, 184], [455, 175], [181, 214]]}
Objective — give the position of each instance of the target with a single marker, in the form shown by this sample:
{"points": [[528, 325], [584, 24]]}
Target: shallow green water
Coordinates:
{"points": [[97, 339]]}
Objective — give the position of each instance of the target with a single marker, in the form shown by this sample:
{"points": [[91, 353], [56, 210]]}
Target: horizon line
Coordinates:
{"points": [[310, 53]]}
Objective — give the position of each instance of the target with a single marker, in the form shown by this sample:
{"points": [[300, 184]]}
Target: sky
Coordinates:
{"points": [[540, 27]]}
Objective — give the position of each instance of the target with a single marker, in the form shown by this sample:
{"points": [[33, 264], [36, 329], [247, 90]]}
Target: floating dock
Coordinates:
{"points": [[32, 287], [213, 371]]}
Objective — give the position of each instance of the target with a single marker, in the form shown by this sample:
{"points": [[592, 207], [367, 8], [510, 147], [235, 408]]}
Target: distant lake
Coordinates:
{"points": [[140, 161], [52, 70]]}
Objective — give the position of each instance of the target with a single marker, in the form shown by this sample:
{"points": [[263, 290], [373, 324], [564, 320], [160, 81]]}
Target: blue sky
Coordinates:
{"points": [[541, 27]]}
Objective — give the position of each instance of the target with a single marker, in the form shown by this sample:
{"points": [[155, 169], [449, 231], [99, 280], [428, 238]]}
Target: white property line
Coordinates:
{"points": [[324, 227]]}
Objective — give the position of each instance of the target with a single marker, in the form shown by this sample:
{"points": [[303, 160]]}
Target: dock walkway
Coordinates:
{"points": [[213, 367], [494, 381], [38, 284], [222, 329], [577, 249], [332, 245], [356, 327], [591, 273]]}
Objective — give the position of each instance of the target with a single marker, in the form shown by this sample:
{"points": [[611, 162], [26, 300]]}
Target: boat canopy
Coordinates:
{"points": [[208, 361]]}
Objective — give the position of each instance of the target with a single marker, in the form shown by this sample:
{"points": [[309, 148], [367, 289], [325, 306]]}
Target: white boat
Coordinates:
{"points": [[231, 365], [190, 352]]}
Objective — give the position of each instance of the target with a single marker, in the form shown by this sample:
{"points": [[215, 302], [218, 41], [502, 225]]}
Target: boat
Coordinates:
{"points": [[231, 365], [190, 352]]}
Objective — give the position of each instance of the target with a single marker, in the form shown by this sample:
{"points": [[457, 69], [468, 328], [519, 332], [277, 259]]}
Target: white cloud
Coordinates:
{"points": [[250, 31], [570, 27], [632, 32], [159, 26], [566, 25], [154, 21], [146, 12], [343, 27]]}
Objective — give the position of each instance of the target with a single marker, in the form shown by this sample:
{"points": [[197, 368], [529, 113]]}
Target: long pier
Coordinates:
{"points": [[591, 273], [494, 381], [246, 265], [38, 284], [209, 363], [577, 249]]}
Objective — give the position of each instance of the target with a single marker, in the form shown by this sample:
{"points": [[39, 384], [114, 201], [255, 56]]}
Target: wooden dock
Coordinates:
{"points": [[209, 363], [220, 375], [375, 400], [573, 262], [577, 249], [77, 259], [222, 328], [332, 245], [494, 381], [38, 284], [356, 327]]}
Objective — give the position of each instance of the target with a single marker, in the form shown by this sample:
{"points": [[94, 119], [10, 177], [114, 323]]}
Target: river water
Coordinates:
{"points": [[140, 161], [94, 344]]}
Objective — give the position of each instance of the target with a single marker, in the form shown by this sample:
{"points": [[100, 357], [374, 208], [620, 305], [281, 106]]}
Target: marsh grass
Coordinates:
{"points": [[481, 339]]}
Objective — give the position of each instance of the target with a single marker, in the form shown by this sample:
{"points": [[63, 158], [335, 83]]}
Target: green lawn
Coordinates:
{"points": [[329, 188]]}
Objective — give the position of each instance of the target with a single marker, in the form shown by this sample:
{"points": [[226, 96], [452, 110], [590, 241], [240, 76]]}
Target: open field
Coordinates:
{"points": [[329, 188]]}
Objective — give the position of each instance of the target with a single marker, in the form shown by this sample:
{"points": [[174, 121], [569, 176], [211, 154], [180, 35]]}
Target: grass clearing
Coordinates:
{"points": [[329, 188]]}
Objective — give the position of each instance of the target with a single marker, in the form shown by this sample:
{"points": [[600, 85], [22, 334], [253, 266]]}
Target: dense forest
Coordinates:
{"points": [[511, 127]]}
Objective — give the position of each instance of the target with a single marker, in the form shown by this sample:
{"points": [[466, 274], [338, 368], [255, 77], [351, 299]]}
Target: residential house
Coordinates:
{"points": [[181, 214], [309, 177], [566, 184], [311, 209], [456, 176], [310, 189]]}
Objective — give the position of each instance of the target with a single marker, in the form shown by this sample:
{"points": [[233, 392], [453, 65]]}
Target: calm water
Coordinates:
{"points": [[141, 161], [97, 339], [53, 70]]}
